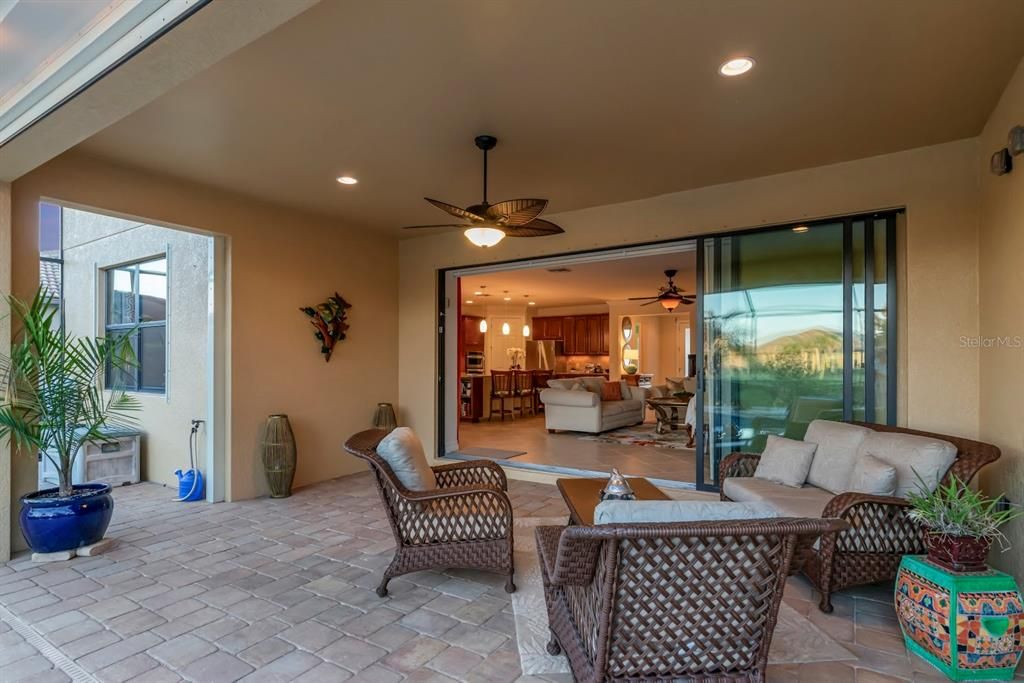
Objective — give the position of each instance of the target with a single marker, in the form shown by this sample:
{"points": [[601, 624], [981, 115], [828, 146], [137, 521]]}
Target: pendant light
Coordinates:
{"points": [[483, 324], [483, 321], [506, 329], [526, 326]]}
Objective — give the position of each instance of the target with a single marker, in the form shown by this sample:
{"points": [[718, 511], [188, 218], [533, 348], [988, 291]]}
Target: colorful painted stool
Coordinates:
{"points": [[969, 626]]}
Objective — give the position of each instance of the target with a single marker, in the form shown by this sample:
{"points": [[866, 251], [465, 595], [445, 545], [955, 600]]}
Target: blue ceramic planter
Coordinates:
{"points": [[51, 524]]}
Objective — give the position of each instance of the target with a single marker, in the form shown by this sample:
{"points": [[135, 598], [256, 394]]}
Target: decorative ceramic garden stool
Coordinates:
{"points": [[967, 625]]}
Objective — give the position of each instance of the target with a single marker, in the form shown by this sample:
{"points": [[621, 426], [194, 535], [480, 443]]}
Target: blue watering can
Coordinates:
{"points": [[190, 485]]}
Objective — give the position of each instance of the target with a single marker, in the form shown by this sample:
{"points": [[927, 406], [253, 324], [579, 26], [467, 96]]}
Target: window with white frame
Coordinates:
{"points": [[136, 304]]}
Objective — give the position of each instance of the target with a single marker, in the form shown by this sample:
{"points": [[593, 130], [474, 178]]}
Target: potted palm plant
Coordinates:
{"points": [[960, 524], [53, 402]]}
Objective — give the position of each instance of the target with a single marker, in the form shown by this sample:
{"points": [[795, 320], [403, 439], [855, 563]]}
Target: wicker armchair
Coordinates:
{"points": [[880, 531], [466, 522], [642, 602]]}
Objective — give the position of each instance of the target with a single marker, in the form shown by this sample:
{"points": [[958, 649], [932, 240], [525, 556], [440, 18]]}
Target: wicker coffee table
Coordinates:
{"points": [[582, 496]]}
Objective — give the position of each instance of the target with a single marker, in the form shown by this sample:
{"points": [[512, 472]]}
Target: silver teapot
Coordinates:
{"points": [[617, 488]]}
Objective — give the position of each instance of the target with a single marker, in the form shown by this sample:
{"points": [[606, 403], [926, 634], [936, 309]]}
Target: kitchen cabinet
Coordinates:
{"points": [[581, 335], [547, 328], [580, 343], [472, 337]]}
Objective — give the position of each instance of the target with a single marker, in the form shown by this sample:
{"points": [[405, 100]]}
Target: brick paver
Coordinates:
{"points": [[282, 590]]}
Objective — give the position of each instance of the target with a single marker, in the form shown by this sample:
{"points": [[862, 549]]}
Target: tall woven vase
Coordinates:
{"points": [[279, 456]]}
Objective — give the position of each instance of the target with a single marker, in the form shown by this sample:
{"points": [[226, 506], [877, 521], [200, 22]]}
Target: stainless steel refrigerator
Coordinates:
{"points": [[540, 355]]}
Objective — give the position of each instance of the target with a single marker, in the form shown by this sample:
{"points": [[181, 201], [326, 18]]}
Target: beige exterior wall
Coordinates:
{"points": [[938, 288], [1002, 281], [94, 242], [279, 260]]}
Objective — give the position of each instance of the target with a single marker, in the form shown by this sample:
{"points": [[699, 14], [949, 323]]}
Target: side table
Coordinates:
{"points": [[970, 626]]}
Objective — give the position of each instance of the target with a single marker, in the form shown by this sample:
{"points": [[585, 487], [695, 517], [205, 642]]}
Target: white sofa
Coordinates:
{"points": [[575, 405]]}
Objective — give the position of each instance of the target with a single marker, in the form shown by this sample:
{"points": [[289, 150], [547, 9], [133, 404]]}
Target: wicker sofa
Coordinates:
{"points": [[466, 522], [664, 601], [880, 531]]}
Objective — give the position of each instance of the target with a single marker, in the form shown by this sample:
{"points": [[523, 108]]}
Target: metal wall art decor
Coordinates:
{"points": [[328, 320]]}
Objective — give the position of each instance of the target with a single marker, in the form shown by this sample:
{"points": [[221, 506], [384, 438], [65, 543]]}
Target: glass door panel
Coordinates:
{"points": [[773, 337], [793, 327]]}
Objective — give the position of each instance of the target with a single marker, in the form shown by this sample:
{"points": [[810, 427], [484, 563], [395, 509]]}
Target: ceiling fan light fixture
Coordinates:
{"points": [[347, 180], [669, 304], [484, 237]]}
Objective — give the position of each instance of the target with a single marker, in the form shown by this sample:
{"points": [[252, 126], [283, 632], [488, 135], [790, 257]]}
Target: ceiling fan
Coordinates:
{"points": [[487, 224], [669, 296]]}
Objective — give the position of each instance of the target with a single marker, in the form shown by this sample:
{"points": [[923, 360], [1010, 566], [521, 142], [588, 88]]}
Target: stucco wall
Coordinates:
{"points": [[93, 242], [938, 291], [279, 260], [1002, 281]]}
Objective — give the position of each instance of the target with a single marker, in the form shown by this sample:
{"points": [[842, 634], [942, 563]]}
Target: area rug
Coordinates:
{"points": [[489, 453], [642, 435], [796, 640]]}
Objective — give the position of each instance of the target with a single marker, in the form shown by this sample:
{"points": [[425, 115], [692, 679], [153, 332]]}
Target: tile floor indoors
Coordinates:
{"points": [[281, 590], [566, 449]]}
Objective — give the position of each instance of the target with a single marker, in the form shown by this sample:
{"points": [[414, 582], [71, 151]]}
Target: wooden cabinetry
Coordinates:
{"points": [[472, 337], [581, 335], [547, 328]]}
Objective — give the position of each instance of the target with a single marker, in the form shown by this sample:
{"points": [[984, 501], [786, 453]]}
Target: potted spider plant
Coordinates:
{"points": [[53, 402], [960, 524]]}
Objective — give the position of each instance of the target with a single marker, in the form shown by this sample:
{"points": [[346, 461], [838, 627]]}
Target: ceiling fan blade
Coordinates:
{"points": [[517, 211], [417, 227], [642, 298], [455, 210], [535, 228], [651, 302]]}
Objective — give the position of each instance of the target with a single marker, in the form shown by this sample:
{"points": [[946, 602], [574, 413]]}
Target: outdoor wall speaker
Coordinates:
{"points": [[1015, 141], [1001, 162]]}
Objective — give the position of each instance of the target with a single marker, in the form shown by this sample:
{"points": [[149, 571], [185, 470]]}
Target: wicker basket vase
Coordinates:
{"points": [[279, 456]]}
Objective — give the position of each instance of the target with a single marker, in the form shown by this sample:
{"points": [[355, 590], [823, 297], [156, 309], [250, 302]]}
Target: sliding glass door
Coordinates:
{"points": [[793, 326]]}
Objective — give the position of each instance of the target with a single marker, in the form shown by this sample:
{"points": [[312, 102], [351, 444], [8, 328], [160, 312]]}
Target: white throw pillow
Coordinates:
{"points": [[402, 450], [837, 453], [913, 456], [785, 461], [871, 475], [640, 511]]}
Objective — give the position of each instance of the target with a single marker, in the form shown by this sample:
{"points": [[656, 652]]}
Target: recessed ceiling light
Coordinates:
{"points": [[737, 66], [801, 228], [469, 301], [347, 180], [531, 303], [477, 293], [508, 298]]}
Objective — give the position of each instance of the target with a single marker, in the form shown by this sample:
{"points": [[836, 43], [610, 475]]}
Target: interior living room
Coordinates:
{"points": [[591, 321], [528, 341]]}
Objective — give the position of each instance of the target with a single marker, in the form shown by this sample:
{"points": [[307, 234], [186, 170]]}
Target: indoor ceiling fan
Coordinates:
{"points": [[669, 296], [487, 224]]}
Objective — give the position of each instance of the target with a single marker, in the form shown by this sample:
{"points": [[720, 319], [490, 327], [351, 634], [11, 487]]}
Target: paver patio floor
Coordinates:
{"points": [[282, 590]]}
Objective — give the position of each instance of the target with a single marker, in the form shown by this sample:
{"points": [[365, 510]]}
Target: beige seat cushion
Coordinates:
{"points": [[910, 453], [808, 501], [641, 511], [836, 455], [403, 452], [609, 408], [785, 461]]}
